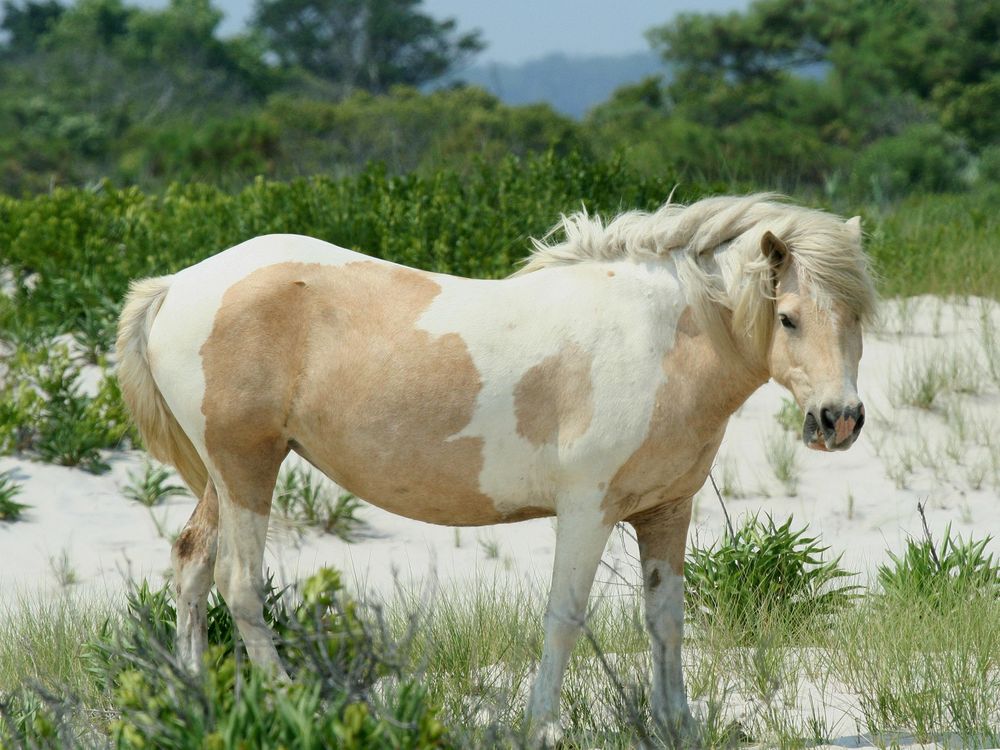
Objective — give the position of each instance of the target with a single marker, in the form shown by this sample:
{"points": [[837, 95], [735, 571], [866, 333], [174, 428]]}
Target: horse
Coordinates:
{"points": [[593, 385]]}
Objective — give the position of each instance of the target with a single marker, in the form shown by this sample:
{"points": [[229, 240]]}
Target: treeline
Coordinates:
{"points": [[851, 98]]}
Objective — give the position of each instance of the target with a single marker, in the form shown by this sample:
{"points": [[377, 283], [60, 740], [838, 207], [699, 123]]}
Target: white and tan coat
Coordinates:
{"points": [[595, 386]]}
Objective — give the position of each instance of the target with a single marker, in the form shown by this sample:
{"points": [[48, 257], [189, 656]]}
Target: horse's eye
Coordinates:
{"points": [[786, 321]]}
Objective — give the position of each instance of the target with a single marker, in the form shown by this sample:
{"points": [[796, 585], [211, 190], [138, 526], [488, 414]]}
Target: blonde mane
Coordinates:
{"points": [[716, 244]]}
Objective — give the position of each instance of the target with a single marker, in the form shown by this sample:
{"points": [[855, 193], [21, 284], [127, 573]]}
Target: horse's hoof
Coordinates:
{"points": [[679, 729], [548, 735]]}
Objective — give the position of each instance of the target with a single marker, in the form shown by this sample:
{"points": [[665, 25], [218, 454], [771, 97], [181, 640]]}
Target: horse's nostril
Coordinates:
{"points": [[860, 422], [826, 419]]}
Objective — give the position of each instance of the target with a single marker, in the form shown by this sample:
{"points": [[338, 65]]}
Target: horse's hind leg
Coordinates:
{"points": [[193, 556], [244, 505]]}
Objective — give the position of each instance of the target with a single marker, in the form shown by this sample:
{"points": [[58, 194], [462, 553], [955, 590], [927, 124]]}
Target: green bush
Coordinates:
{"points": [[72, 253], [10, 509], [348, 690], [989, 165], [956, 567], [151, 486], [302, 496], [44, 413], [761, 572], [923, 158]]}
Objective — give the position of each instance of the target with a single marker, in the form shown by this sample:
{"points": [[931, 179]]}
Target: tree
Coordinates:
{"points": [[891, 63], [367, 44], [28, 22]]}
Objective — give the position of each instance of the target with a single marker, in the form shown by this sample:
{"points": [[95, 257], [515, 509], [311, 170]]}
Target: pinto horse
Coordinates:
{"points": [[593, 385]]}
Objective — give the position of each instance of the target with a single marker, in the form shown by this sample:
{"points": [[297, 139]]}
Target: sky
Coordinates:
{"points": [[520, 30]]}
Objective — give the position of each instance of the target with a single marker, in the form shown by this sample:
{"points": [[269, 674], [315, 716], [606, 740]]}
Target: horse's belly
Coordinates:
{"points": [[411, 482]]}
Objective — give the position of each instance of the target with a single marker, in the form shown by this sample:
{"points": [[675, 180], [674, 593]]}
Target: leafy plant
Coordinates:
{"points": [[45, 412], [301, 496], [151, 486], [337, 657], [10, 510], [763, 570], [929, 571]]}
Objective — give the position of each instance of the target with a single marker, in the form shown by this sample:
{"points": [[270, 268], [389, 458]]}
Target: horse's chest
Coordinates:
{"points": [[671, 468]]}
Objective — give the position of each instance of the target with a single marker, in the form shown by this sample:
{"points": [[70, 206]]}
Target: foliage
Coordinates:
{"points": [[302, 496], [334, 700], [151, 486], [923, 158], [368, 44], [45, 413], [473, 226], [931, 572], [784, 95], [761, 572], [10, 509]]}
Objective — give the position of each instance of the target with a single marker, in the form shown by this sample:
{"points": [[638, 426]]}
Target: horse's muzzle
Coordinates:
{"points": [[833, 428]]}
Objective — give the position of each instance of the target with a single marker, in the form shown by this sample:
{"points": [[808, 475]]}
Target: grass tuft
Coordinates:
{"points": [[151, 487], [302, 496], [10, 509]]}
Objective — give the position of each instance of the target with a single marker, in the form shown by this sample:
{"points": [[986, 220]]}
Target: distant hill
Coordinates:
{"points": [[572, 85]]}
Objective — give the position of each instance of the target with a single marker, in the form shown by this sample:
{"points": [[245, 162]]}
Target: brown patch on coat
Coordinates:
{"points": [[700, 391], [526, 513], [200, 533], [251, 363], [329, 360], [610, 274], [553, 401]]}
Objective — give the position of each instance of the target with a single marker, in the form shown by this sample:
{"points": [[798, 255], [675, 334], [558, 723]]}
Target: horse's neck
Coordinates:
{"points": [[711, 381]]}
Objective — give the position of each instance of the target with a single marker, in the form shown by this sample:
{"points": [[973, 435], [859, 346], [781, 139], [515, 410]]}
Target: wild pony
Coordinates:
{"points": [[593, 385]]}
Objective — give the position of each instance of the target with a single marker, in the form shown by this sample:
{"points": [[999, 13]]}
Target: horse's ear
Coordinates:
{"points": [[774, 249], [854, 224]]}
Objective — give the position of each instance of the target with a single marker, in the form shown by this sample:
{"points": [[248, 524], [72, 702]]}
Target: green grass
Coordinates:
{"points": [[42, 642], [305, 497], [782, 452], [938, 244], [881, 663], [10, 509], [790, 416], [151, 486]]}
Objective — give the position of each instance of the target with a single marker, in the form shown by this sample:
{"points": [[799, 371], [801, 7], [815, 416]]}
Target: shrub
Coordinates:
{"points": [[761, 571], [151, 487], [790, 416], [931, 572], [302, 496], [10, 510], [348, 691], [44, 413], [923, 158]]}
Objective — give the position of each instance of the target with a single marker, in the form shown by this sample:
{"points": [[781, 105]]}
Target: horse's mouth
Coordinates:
{"points": [[812, 436], [839, 440]]}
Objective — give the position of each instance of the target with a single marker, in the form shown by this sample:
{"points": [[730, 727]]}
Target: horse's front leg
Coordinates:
{"points": [[580, 539], [662, 533]]}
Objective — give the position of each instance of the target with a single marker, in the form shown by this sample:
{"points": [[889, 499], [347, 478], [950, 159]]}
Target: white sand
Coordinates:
{"points": [[80, 523]]}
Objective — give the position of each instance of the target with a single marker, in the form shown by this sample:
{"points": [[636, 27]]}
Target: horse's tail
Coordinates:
{"points": [[164, 437]]}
